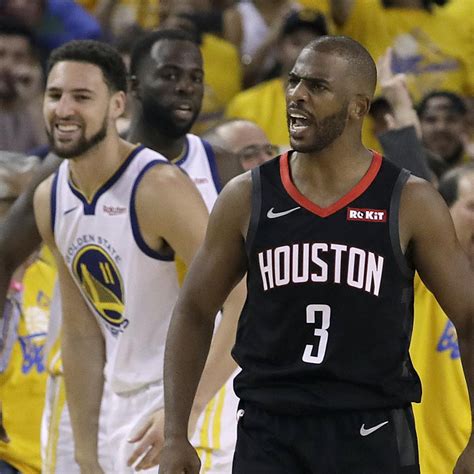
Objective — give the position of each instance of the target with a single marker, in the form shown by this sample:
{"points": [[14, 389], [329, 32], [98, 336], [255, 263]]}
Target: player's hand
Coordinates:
{"points": [[465, 464], [3, 433], [179, 457], [149, 439]]}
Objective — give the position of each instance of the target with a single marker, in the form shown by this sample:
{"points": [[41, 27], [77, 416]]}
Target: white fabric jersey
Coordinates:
{"points": [[130, 288], [199, 164]]}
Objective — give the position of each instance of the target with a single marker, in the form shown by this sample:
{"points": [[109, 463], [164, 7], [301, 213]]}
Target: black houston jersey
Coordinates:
{"points": [[329, 312]]}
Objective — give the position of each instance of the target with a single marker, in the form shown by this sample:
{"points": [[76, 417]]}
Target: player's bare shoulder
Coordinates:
{"points": [[234, 204], [421, 208]]}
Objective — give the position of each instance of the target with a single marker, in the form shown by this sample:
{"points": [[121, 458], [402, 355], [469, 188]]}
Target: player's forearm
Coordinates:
{"points": [[83, 360], [187, 346], [219, 364]]}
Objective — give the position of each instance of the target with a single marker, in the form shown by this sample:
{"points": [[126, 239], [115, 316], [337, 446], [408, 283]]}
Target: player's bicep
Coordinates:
{"points": [[171, 209], [221, 261]]}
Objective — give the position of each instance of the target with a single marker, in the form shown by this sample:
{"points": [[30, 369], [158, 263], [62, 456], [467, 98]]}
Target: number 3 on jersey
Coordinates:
{"points": [[321, 332]]}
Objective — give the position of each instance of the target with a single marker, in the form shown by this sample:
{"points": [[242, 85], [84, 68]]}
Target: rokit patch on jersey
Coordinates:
{"points": [[366, 215]]}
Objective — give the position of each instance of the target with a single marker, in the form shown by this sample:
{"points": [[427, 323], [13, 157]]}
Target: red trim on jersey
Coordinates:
{"points": [[354, 193]]}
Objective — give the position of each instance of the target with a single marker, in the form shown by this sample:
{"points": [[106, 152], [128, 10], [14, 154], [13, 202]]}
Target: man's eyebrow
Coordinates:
{"points": [[309, 78], [80, 90]]}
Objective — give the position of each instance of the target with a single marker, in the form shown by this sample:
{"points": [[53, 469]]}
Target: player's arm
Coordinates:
{"points": [[18, 232], [427, 227], [82, 348], [219, 363], [219, 265], [170, 209]]}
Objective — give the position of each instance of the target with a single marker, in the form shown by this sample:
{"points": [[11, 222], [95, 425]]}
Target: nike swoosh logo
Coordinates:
{"points": [[70, 210], [273, 215], [366, 431]]}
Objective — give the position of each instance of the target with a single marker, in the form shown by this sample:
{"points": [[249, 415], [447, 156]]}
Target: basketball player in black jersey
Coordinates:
{"points": [[330, 235]]}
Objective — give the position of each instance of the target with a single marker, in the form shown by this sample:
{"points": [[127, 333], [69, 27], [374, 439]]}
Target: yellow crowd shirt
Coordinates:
{"points": [[23, 384], [222, 80], [443, 418], [265, 105], [433, 48]]}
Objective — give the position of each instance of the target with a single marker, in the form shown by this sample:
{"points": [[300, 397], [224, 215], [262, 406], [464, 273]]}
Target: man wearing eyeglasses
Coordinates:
{"points": [[245, 139]]}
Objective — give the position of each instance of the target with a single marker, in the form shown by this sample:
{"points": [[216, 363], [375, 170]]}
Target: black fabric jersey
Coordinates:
{"points": [[329, 312]]}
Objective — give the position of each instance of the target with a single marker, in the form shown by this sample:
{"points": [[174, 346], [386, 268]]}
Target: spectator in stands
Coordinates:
{"points": [[264, 103], [54, 22], [254, 28], [21, 87], [244, 139], [444, 130], [416, 30], [23, 331]]}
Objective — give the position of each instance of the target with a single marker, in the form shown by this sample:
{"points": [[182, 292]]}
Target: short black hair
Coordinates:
{"points": [[100, 54], [143, 46], [10, 26], [307, 18], [448, 185], [456, 102], [362, 64]]}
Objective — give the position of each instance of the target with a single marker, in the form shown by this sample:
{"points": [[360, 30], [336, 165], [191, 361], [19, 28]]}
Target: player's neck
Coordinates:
{"points": [[92, 169], [326, 176], [170, 148]]}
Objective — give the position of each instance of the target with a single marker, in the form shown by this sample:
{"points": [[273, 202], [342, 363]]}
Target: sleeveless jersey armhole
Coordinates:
{"points": [[211, 158], [140, 241], [255, 211], [394, 222]]}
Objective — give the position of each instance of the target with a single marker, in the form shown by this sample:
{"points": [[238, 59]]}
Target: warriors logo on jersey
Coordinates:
{"points": [[102, 283]]}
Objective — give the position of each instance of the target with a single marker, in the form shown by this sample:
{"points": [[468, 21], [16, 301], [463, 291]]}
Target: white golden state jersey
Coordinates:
{"points": [[199, 164], [130, 288]]}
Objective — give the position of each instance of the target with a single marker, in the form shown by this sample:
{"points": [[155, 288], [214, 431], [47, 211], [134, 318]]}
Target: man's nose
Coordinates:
{"points": [[64, 107]]}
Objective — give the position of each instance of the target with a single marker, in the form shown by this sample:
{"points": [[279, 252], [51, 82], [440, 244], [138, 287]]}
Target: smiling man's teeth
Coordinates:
{"points": [[67, 128]]}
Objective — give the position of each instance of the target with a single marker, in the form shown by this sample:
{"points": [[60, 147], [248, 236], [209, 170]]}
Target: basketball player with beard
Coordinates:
{"points": [[115, 215], [329, 234], [168, 135]]}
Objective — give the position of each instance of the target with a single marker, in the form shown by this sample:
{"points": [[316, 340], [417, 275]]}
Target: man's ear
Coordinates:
{"points": [[359, 107], [118, 104]]}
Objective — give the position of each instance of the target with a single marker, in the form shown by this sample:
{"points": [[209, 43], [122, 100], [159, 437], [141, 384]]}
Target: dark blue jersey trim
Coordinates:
{"points": [[211, 157], [134, 219], [89, 206], [185, 156], [53, 200]]}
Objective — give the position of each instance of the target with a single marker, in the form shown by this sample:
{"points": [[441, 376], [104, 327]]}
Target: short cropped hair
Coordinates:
{"points": [[100, 54], [457, 104], [143, 46], [362, 64], [10, 26], [448, 185]]}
